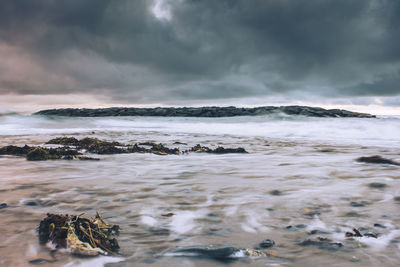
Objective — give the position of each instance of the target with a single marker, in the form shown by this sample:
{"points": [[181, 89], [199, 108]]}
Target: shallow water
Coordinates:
{"points": [[300, 175]]}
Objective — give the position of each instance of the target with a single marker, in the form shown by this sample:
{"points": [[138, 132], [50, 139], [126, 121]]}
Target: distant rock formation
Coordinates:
{"points": [[203, 112]]}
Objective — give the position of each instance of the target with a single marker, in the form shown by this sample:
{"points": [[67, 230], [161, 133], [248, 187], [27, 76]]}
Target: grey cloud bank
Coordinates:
{"points": [[165, 51]]}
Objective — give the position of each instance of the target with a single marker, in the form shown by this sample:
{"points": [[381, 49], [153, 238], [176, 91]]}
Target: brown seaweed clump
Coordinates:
{"points": [[80, 235], [35, 153], [219, 150]]}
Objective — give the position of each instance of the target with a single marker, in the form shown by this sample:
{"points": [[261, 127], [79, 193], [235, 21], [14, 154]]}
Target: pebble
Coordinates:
{"points": [[377, 185], [267, 243]]}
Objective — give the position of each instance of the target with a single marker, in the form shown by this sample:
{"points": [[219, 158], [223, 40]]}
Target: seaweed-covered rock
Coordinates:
{"points": [[377, 160], [159, 149], [66, 141], [219, 150], [81, 235], [38, 154], [16, 150]]}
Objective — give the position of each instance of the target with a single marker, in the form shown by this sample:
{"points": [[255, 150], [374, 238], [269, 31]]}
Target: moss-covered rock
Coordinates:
{"points": [[38, 154]]}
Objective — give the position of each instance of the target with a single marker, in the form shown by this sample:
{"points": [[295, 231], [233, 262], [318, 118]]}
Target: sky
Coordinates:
{"points": [[81, 53]]}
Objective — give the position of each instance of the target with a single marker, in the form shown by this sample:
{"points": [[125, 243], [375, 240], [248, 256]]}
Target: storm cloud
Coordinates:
{"points": [[157, 51]]}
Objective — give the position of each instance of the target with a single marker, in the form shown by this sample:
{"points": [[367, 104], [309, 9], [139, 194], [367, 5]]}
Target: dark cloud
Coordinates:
{"points": [[200, 49]]}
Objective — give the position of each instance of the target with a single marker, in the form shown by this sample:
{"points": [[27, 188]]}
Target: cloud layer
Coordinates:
{"points": [[161, 51]]}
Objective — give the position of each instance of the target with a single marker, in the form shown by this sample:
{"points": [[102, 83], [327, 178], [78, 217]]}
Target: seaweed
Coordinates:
{"points": [[81, 235], [219, 150], [73, 148]]}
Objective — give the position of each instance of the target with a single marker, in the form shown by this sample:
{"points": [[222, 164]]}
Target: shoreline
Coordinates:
{"points": [[210, 112]]}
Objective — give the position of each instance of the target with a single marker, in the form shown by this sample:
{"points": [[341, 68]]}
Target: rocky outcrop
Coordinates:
{"points": [[203, 112], [73, 149]]}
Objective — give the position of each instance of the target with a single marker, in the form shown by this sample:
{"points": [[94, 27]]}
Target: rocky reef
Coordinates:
{"points": [[203, 112], [74, 149]]}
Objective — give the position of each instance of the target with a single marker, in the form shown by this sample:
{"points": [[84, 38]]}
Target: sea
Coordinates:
{"points": [[299, 185]]}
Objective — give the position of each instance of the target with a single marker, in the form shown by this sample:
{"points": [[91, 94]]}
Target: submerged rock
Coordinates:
{"points": [[220, 253], [267, 243], [377, 160], [214, 252], [322, 243], [377, 185], [362, 203]]}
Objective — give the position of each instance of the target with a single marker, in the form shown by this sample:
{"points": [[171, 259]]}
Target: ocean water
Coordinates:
{"points": [[299, 181]]}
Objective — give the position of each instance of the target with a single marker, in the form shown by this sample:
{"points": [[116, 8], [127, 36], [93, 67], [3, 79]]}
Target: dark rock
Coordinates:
{"points": [[397, 199], [276, 193], [377, 160], [38, 154], [40, 261], [32, 203], [322, 243], [267, 243], [179, 143], [147, 144], [219, 150], [169, 214], [3, 205], [222, 253], [359, 203], [355, 234], [378, 225], [377, 185], [318, 232], [66, 141], [370, 234], [203, 112], [296, 227], [15, 150]]}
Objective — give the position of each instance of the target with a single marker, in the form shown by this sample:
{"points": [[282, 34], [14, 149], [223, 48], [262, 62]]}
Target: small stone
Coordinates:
{"points": [[359, 203], [276, 193], [32, 203], [267, 243], [377, 185], [397, 199], [354, 259], [3, 205], [169, 214]]}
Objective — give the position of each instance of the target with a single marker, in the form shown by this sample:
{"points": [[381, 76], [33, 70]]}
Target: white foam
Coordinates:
{"points": [[252, 224], [99, 261], [184, 221], [148, 220], [316, 223]]}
